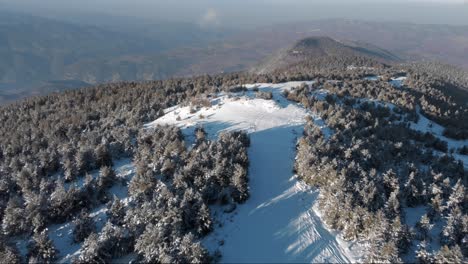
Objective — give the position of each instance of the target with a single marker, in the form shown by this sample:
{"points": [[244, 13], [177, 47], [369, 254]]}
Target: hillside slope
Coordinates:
{"points": [[345, 164], [277, 223], [314, 48]]}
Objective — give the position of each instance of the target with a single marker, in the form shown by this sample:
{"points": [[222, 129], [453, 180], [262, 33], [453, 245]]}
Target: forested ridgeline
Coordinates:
{"points": [[163, 217], [49, 143], [449, 73], [373, 171], [54, 141]]}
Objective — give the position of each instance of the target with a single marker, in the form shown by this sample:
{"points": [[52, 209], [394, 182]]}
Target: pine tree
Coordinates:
{"points": [[85, 161], [422, 255], [380, 249], [103, 157], [203, 220], [84, 226], [392, 207], [191, 251], [240, 184], [115, 241], [42, 249], [457, 196], [400, 234], [14, 221], [70, 170], [107, 177], [91, 251], [424, 226], [116, 213], [154, 242], [449, 255], [8, 254], [200, 134]]}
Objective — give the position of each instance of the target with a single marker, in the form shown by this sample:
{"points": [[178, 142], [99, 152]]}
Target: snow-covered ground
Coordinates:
{"points": [[412, 217], [372, 78], [352, 67], [277, 223], [425, 125], [241, 111], [397, 82], [61, 234]]}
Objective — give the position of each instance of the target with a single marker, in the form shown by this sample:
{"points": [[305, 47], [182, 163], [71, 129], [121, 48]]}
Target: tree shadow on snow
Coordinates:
{"points": [[277, 223]]}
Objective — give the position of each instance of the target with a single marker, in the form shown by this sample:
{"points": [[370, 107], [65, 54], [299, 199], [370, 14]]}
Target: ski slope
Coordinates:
{"points": [[277, 223]]}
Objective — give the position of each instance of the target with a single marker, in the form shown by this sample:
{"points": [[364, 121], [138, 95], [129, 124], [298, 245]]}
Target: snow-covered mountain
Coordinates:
{"points": [[281, 220], [278, 222], [356, 162]]}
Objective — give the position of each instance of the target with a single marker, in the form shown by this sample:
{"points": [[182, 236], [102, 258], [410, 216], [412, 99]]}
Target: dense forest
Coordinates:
{"points": [[374, 166], [371, 167]]}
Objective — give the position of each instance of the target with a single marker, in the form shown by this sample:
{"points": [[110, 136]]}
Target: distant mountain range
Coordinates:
{"points": [[339, 154], [35, 50], [410, 42]]}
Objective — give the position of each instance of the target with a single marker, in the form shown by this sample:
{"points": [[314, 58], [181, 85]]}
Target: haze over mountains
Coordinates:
{"points": [[35, 51], [294, 142], [339, 154], [314, 48]]}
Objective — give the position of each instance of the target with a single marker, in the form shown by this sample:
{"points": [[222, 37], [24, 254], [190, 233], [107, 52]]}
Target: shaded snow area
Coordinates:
{"points": [[372, 78], [61, 234], [412, 217], [397, 82], [277, 223], [425, 125]]}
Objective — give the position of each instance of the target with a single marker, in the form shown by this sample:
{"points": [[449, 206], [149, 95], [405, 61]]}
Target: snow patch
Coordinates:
{"points": [[372, 78], [398, 82]]}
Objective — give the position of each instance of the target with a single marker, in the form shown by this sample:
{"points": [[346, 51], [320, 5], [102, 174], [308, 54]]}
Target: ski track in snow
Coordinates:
{"points": [[277, 223]]}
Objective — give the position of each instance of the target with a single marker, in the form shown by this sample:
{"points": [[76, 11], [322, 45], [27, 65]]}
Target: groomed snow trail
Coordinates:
{"points": [[277, 223]]}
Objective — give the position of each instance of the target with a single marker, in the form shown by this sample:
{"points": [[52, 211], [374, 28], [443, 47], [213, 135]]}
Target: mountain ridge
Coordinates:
{"points": [[316, 47]]}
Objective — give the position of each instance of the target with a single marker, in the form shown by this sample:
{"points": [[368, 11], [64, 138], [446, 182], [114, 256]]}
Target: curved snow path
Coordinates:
{"points": [[277, 223]]}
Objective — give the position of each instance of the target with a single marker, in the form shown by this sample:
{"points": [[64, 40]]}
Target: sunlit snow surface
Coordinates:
{"points": [[277, 223]]}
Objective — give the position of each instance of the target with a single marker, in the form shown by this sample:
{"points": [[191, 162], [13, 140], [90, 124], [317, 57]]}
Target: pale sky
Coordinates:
{"points": [[247, 13]]}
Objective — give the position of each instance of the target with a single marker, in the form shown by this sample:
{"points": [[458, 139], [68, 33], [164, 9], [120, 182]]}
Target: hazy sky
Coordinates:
{"points": [[247, 13]]}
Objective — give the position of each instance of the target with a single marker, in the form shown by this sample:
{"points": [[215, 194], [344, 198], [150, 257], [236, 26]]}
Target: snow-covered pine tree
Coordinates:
{"points": [[41, 250], [449, 255], [84, 226], [422, 255]]}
